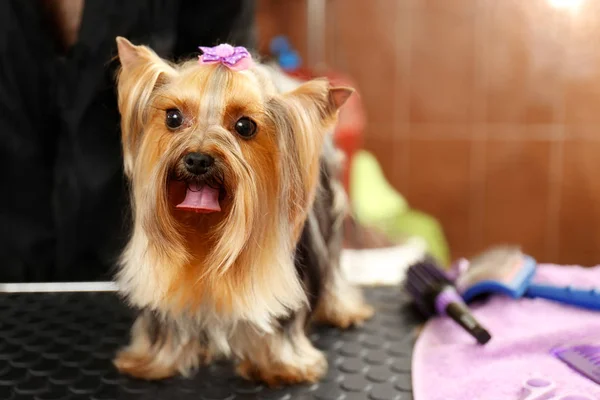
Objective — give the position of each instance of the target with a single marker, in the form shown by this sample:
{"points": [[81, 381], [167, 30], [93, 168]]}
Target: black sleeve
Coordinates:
{"points": [[209, 22]]}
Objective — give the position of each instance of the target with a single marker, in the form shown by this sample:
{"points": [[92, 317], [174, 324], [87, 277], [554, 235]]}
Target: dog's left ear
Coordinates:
{"points": [[339, 95], [305, 117], [320, 99]]}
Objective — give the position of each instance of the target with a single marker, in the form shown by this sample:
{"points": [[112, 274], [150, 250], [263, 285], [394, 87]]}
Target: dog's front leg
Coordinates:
{"points": [[160, 349], [280, 358]]}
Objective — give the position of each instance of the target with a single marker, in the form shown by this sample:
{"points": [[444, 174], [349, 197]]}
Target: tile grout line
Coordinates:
{"points": [[554, 203], [555, 171], [331, 47], [402, 129], [478, 132], [465, 132]]}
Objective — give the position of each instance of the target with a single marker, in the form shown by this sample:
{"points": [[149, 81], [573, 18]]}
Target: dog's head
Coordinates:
{"points": [[223, 167]]}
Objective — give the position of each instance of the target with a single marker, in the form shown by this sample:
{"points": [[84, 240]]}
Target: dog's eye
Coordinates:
{"points": [[245, 127], [174, 118]]}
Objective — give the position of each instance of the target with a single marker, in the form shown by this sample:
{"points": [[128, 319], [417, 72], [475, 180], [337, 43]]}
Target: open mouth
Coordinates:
{"points": [[201, 198]]}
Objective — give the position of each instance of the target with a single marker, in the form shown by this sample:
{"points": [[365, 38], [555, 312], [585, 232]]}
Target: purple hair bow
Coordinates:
{"points": [[235, 58]]}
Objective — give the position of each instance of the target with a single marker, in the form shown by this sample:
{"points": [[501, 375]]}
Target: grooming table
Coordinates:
{"points": [[60, 346]]}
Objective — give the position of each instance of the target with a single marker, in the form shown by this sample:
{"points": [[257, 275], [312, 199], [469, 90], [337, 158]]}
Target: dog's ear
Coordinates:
{"points": [[142, 71], [129, 54], [320, 96], [304, 117], [339, 95]]}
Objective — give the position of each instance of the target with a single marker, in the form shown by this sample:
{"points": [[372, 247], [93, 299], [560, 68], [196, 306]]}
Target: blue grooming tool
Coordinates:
{"points": [[508, 271]]}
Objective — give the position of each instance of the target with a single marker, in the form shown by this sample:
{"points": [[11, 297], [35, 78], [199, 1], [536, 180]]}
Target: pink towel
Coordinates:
{"points": [[448, 365]]}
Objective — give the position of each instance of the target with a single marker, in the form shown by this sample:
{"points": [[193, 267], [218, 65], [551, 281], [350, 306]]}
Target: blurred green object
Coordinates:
{"points": [[378, 205]]}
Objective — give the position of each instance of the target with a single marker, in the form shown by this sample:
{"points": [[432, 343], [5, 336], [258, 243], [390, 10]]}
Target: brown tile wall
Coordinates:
{"points": [[484, 113]]}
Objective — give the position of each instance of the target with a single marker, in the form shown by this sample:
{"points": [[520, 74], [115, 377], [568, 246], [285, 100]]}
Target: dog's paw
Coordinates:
{"points": [[164, 364], [346, 317], [304, 370], [355, 317], [142, 366]]}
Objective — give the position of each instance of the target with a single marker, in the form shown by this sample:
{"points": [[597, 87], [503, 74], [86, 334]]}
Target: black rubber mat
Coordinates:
{"points": [[60, 346]]}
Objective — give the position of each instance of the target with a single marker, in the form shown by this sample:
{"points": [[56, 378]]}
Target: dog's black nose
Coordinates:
{"points": [[198, 163]]}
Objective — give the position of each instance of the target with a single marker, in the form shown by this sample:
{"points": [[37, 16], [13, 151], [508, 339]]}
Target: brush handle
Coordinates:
{"points": [[462, 316], [584, 298]]}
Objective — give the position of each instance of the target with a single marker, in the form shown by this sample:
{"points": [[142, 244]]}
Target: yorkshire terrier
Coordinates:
{"points": [[237, 212]]}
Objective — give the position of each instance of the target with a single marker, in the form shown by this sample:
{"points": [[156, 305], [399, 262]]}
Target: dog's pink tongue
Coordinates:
{"points": [[200, 199]]}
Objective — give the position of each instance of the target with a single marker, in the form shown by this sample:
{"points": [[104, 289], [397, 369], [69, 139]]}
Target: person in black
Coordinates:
{"points": [[64, 200]]}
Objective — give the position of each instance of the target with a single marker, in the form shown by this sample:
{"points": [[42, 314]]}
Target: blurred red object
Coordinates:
{"points": [[351, 122]]}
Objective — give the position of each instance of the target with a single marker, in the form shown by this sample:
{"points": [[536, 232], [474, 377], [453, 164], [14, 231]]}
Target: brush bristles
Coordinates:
{"points": [[421, 279]]}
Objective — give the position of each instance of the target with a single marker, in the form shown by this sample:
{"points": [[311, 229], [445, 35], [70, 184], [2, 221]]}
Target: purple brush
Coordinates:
{"points": [[433, 293], [583, 358]]}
